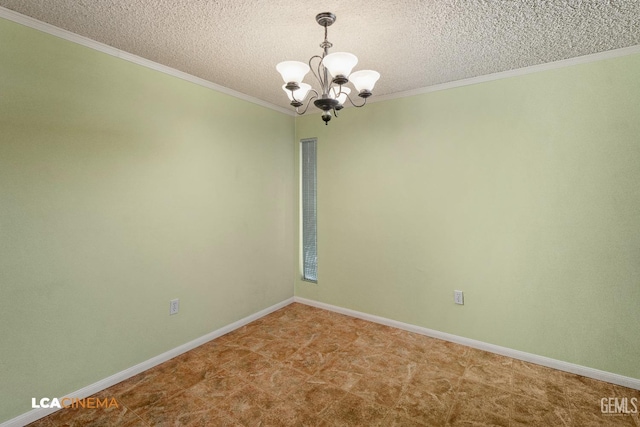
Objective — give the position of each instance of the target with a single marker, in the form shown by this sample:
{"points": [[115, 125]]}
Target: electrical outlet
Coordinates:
{"points": [[174, 306], [458, 297]]}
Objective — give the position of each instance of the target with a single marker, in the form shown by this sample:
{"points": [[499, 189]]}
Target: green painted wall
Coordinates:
{"points": [[120, 189], [522, 192]]}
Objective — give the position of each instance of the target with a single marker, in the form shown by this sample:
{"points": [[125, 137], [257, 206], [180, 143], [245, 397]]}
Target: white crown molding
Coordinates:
{"points": [[109, 50], [515, 354], [600, 56], [36, 414], [87, 42]]}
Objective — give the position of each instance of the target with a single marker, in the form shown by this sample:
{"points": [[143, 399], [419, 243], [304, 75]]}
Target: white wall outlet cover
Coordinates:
{"points": [[458, 297], [174, 306]]}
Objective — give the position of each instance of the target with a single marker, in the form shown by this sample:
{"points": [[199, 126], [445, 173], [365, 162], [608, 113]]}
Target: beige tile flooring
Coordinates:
{"points": [[302, 366]]}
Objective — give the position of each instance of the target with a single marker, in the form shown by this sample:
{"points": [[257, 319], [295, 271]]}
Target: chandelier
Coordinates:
{"points": [[332, 93]]}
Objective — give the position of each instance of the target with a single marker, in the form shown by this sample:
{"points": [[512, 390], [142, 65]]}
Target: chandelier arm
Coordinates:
{"points": [[354, 104], [308, 103], [323, 76], [313, 71], [300, 101]]}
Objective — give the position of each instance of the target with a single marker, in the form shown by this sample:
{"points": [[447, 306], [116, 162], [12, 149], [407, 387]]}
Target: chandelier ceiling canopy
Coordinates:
{"points": [[332, 72]]}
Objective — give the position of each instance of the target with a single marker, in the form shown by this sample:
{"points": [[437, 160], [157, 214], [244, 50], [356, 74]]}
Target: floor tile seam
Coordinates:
{"points": [[416, 420], [376, 374], [508, 389], [140, 418], [270, 356], [52, 417], [224, 412], [404, 358], [348, 392], [240, 344], [400, 396], [280, 397], [304, 410], [350, 345], [509, 409], [196, 396], [490, 363], [499, 366], [539, 375], [139, 413], [544, 402], [51, 423], [231, 415], [393, 412], [243, 383], [569, 391], [572, 411], [323, 419], [222, 366], [300, 372], [468, 358], [395, 403], [404, 336], [132, 411], [182, 389], [315, 372], [546, 381], [283, 364], [335, 402], [478, 382], [361, 376], [448, 371], [455, 391], [563, 391], [123, 401], [325, 348], [286, 357]]}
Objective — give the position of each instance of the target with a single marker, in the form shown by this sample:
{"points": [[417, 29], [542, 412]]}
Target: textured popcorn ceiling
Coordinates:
{"points": [[412, 43]]}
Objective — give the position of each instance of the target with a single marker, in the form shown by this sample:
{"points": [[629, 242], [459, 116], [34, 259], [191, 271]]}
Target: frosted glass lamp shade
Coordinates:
{"points": [[364, 80], [343, 96], [298, 94], [340, 63], [292, 71]]}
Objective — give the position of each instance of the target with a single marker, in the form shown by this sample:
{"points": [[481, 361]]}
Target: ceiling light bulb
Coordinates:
{"points": [[292, 71], [340, 63]]}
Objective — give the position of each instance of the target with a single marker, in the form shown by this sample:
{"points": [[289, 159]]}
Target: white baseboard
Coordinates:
{"points": [[36, 414], [515, 354]]}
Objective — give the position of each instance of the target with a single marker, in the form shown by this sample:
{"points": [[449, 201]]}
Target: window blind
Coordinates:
{"points": [[309, 213]]}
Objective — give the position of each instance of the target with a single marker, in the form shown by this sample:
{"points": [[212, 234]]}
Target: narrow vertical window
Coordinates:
{"points": [[309, 221]]}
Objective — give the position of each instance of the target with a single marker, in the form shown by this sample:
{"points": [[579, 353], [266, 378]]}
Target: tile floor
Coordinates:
{"points": [[302, 366]]}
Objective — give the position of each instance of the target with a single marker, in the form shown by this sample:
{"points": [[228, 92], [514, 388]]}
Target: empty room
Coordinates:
{"points": [[403, 213]]}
